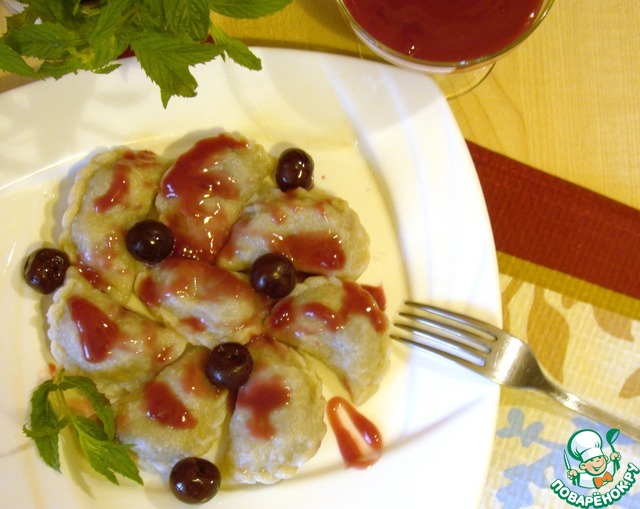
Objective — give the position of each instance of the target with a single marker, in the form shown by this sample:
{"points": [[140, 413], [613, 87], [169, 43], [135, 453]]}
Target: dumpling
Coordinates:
{"points": [[318, 232], [203, 193], [111, 193], [178, 413], [93, 335], [207, 304], [339, 323], [278, 420]]}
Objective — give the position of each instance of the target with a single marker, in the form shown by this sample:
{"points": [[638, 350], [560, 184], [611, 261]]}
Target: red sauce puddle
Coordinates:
{"points": [[357, 300], [358, 438], [97, 332], [445, 30], [262, 397], [118, 192], [199, 224], [164, 407]]}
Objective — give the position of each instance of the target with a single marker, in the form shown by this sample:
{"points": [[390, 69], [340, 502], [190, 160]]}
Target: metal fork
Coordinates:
{"points": [[491, 352]]}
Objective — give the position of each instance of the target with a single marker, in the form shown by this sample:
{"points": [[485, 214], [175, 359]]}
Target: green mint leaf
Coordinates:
{"points": [[26, 17], [109, 20], [11, 61], [166, 61], [59, 68], [47, 446], [45, 424], [45, 40], [235, 49], [59, 11], [190, 17], [107, 69], [247, 8], [97, 400], [106, 457], [165, 35], [95, 434]]}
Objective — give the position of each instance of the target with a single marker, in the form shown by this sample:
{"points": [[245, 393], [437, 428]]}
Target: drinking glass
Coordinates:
{"points": [[457, 42]]}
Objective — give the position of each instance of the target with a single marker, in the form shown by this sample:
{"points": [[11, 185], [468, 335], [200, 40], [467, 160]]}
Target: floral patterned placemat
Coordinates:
{"points": [[579, 310]]}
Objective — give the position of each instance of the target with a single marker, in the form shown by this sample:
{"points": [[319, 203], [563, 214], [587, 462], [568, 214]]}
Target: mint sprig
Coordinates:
{"points": [[50, 414], [52, 38]]}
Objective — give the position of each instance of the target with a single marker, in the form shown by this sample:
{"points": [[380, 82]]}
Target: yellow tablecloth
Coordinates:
{"points": [[565, 102]]}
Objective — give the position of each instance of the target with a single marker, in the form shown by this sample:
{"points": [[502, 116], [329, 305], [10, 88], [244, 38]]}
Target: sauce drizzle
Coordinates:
{"points": [[118, 192], [262, 397], [358, 438], [164, 407], [199, 185], [97, 332], [356, 301]]}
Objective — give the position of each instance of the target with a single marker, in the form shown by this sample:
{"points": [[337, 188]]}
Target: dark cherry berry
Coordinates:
{"points": [[229, 365], [150, 241], [273, 275], [45, 269], [194, 480], [295, 169]]}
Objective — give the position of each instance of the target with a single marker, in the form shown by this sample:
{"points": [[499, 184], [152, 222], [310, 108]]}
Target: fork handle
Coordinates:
{"points": [[588, 410]]}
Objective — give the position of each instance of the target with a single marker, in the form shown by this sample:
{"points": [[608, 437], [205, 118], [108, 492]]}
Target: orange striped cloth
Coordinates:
{"points": [[569, 263]]}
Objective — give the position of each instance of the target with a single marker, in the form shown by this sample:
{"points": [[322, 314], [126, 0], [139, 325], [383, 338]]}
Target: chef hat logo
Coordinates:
{"points": [[585, 445]]}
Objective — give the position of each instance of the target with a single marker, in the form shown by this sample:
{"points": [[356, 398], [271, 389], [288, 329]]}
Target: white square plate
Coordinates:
{"points": [[382, 138]]}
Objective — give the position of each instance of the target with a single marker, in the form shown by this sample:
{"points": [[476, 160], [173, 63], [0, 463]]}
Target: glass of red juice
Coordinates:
{"points": [[456, 41]]}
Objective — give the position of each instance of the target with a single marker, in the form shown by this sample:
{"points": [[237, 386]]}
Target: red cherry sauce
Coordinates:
{"points": [[101, 260], [184, 277], [163, 406], [194, 379], [166, 407], [377, 292], [359, 440], [356, 301], [92, 276], [98, 333], [318, 252], [445, 30], [118, 192], [314, 252], [262, 396], [197, 221]]}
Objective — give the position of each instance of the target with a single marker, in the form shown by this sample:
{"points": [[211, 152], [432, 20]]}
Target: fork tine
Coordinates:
{"points": [[469, 323], [439, 351], [457, 330], [434, 341]]}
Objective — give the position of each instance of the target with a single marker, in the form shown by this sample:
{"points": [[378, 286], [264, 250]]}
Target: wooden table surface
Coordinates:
{"points": [[567, 101]]}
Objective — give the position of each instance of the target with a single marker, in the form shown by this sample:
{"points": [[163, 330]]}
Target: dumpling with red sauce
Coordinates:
{"points": [[203, 193], [177, 414], [278, 420], [93, 335], [205, 303], [317, 231], [339, 323], [114, 191]]}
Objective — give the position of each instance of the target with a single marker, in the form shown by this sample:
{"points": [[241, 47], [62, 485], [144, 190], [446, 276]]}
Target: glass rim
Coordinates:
{"points": [[402, 59]]}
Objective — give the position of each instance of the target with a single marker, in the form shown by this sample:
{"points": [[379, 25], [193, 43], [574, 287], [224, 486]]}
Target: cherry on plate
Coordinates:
{"points": [[295, 169], [229, 365], [273, 275], [150, 241], [194, 480], [45, 269]]}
